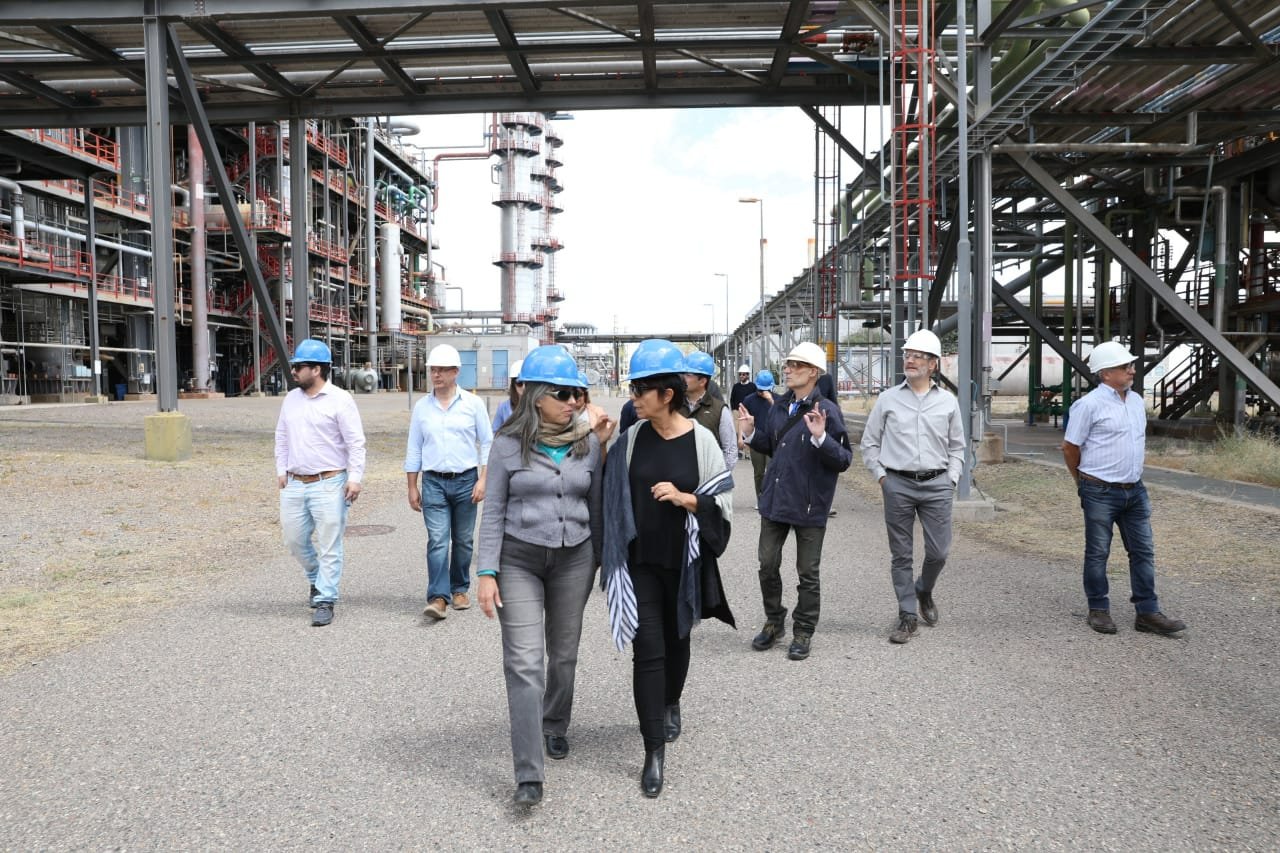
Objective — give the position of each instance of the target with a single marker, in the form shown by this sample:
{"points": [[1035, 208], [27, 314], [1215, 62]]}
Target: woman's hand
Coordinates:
{"points": [[487, 594], [668, 493], [604, 429]]}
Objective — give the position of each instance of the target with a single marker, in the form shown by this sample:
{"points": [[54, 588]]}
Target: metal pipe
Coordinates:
{"points": [[199, 294], [107, 244]]}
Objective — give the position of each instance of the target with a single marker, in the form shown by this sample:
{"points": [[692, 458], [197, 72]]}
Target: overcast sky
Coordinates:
{"points": [[651, 213]]}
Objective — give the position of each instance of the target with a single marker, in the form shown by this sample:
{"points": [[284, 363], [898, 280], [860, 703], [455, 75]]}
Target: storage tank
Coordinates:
{"points": [[389, 275]]}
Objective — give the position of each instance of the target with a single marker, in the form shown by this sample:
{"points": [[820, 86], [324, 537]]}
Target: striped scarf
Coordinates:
{"points": [[620, 594]]}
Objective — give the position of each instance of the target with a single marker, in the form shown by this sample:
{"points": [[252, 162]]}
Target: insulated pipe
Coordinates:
{"points": [[19, 210], [371, 238], [99, 242], [199, 294]]}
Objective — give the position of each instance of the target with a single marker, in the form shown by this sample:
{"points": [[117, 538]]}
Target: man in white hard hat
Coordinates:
{"points": [[805, 436], [1104, 446], [742, 388], [449, 439], [913, 445]]}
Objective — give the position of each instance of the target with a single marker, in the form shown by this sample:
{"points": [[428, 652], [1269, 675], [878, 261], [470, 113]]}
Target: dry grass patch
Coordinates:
{"points": [[96, 535], [1249, 459]]}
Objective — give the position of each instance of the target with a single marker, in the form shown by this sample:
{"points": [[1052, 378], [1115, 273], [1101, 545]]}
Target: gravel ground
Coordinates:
{"points": [[225, 722]]}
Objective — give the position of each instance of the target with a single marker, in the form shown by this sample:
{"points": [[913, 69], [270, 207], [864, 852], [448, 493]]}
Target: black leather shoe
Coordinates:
{"points": [[671, 722], [557, 745], [799, 649], [651, 776], [928, 610], [1158, 623], [322, 615], [528, 793], [906, 627], [1100, 621], [769, 635], [311, 599]]}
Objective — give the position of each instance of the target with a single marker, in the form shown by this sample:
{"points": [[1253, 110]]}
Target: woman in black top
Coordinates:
{"points": [[670, 502]]}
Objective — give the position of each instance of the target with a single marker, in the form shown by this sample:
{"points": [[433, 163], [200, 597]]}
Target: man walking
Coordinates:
{"points": [[319, 465], [706, 409], [804, 433], [913, 445], [449, 438], [742, 388], [1104, 447]]}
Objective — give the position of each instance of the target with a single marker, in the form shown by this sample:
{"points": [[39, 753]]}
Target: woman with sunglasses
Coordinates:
{"points": [[538, 552], [667, 510]]}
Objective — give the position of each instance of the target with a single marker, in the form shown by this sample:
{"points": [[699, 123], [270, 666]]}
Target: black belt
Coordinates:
{"points": [[918, 476], [1105, 483], [449, 475]]}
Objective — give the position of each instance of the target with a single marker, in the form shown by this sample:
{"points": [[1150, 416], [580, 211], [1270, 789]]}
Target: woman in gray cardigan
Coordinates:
{"points": [[539, 547]]}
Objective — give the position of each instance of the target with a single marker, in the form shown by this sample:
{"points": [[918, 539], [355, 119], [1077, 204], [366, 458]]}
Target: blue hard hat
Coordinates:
{"points": [[655, 357], [765, 381], [552, 365], [312, 350], [582, 377], [700, 363]]}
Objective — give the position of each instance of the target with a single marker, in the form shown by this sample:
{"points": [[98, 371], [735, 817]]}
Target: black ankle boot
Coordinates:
{"points": [[651, 776], [671, 722]]}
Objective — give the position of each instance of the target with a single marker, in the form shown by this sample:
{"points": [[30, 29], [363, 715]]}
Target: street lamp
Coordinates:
{"points": [[725, 276], [764, 356]]}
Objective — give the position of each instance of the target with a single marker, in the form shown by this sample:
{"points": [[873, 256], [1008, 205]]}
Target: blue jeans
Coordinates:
{"points": [[313, 517], [450, 517], [1106, 507]]}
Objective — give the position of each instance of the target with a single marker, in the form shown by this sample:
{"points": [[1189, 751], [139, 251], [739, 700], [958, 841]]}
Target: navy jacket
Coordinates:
{"points": [[800, 481]]}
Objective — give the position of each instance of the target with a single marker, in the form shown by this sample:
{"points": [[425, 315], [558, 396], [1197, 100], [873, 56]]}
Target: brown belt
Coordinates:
{"points": [[1105, 483], [311, 478]]}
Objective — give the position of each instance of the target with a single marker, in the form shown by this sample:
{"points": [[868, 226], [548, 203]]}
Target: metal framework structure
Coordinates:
{"points": [[1100, 132]]}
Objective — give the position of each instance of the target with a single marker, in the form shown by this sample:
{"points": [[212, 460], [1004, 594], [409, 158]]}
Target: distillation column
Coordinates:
{"points": [[517, 143]]}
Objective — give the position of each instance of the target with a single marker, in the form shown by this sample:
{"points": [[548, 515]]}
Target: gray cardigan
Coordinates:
{"points": [[541, 503]]}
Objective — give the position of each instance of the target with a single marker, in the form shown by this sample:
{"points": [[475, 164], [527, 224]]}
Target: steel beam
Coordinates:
{"points": [[1147, 278], [1027, 316], [218, 171], [797, 12], [160, 157], [836, 136]]}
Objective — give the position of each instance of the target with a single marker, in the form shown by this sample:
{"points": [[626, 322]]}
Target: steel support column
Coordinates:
{"points": [[1152, 283], [91, 246], [159, 155], [299, 177]]}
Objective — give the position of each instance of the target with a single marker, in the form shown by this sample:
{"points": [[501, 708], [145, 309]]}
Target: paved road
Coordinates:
{"points": [[229, 723]]}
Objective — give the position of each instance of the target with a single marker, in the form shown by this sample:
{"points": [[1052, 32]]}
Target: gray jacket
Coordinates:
{"points": [[541, 503]]}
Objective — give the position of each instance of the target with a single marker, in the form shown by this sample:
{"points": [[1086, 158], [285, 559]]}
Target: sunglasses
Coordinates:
{"points": [[294, 368], [639, 389], [564, 395]]}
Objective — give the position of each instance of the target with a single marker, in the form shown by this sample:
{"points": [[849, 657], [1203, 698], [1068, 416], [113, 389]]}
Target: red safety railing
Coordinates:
{"points": [[77, 140]]}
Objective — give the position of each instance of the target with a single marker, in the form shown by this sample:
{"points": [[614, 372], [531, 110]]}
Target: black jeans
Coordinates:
{"points": [[808, 588], [660, 658]]}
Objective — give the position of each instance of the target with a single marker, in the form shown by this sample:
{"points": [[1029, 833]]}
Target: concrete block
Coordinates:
{"points": [[973, 509], [991, 449], [167, 436]]}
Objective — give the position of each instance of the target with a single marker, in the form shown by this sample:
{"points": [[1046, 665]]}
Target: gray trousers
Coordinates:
{"points": [[904, 499], [544, 591]]}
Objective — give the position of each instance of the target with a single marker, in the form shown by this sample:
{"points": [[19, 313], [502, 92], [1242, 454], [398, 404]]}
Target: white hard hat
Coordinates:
{"points": [[515, 369], [809, 353], [924, 341], [444, 355], [1109, 354], [744, 368]]}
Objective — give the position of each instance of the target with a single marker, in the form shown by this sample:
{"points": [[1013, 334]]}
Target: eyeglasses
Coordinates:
{"points": [[792, 364], [294, 368], [566, 394], [441, 369], [911, 355], [639, 389]]}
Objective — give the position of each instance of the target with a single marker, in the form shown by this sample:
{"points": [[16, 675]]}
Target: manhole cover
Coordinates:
{"points": [[369, 529]]}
